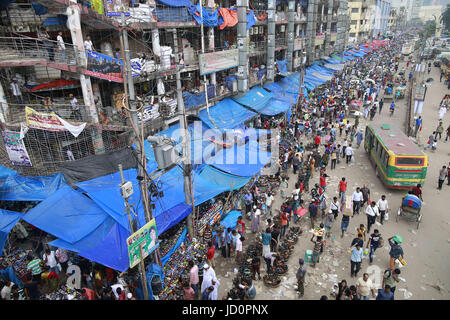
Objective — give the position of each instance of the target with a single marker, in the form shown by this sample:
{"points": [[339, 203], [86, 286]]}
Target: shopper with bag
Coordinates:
{"points": [[383, 207], [372, 214]]}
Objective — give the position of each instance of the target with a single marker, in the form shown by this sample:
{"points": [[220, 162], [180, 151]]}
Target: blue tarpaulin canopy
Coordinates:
{"points": [[8, 220], [256, 98], [175, 3], [5, 172], [226, 114], [19, 188], [230, 220], [246, 160], [210, 19], [282, 66], [220, 178]]}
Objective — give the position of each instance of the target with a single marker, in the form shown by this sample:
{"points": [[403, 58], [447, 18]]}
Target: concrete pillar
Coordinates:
{"points": [[74, 25], [211, 48], [290, 31], [242, 6], [270, 40], [328, 31], [309, 30]]}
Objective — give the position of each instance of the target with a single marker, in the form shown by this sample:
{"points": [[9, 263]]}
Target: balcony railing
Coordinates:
{"points": [[14, 113], [18, 48]]}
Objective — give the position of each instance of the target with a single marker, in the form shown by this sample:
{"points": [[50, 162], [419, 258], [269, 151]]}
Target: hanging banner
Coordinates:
{"points": [[52, 122], [104, 67], [97, 5], [218, 61], [114, 8], [145, 237], [16, 149]]}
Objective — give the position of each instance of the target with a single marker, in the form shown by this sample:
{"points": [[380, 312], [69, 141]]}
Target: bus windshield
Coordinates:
{"points": [[409, 161]]}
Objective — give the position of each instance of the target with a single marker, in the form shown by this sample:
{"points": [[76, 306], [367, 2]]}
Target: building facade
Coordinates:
{"points": [[60, 50]]}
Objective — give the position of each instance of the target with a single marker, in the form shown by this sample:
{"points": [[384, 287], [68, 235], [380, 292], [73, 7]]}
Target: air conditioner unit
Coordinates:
{"points": [[250, 32], [282, 28]]}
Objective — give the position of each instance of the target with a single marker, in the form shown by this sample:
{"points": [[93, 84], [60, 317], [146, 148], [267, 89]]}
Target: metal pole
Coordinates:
{"points": [[186, 141], [132, 106], [202, 38], [141, 264]]}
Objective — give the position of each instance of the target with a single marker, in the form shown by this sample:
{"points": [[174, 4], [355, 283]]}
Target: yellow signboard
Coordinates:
{"points": [[97, 5]]}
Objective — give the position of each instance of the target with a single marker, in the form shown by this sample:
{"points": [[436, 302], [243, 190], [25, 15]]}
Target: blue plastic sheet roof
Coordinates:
{"points": [[5, 172], [226, 114], [175, 3], [8, 220], [19, 188], [256, 98], [230, 220], [246, 160], [226, 180], [282, 66]]}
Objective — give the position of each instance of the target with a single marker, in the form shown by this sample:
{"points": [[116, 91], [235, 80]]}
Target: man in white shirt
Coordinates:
{"points": [[70, 155], [357, 198], [269, 258], [349, 153], [76, 114], [269, 200], [61, 46], [50, 260], [372, 214], [6, 291], [88, 44], [15, 88], [383, 207], [364, 287]]}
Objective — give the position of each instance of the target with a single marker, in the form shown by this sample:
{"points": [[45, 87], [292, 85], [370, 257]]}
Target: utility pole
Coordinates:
{"points": [[186, 141], [132, 229]]}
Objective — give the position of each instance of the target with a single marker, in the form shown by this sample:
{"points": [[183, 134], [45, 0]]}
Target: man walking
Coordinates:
{"points": [[383, 207], [442, 175], [390, 279], [355, 259], [374, 243], [396, 250], [301, 274], [364, 287], [357, 198], [349, 153], [193, 277], [75, 107], [248, 200], [61, 46], [372, 214], [381, 105], [418, 125], [342, 189]]}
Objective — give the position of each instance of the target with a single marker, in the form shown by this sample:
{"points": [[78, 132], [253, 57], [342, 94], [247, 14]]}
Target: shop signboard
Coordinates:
{"points": [[218, 61], [144, 238], [104, 67], [115, 8], [15, 148]]}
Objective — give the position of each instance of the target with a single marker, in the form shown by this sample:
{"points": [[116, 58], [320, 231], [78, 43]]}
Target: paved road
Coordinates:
{"points": [[426, 250]]}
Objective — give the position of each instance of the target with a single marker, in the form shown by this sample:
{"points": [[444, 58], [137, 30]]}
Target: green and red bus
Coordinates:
{"points": [[398, 161]]}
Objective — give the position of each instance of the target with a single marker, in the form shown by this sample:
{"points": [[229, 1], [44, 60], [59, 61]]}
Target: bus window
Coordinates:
{"points": [[386, 159], [409, 161]]}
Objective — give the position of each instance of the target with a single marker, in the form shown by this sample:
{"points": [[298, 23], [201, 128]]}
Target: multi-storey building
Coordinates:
{"points": [[251, 41]]}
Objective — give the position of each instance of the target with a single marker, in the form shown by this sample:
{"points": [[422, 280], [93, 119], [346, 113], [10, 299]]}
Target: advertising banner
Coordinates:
{"points": [[145, 237], [16, 149], [218, 61], [114, 8], [51, 121], [104, 67]]}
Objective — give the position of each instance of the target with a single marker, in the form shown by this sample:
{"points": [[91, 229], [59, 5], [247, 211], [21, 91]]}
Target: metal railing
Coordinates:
{"points": [[25, 47]]}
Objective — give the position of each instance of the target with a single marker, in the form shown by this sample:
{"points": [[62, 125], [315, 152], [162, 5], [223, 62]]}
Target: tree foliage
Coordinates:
{"points": [[446, 17]]}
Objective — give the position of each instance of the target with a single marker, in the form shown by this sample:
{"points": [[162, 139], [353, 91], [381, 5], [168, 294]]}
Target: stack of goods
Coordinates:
{"points": [[63, 293], [176, 268], [188, 53], [166, 53], [150, 112], [18, 260], [168, 107], [169, 240], [209, 215]]}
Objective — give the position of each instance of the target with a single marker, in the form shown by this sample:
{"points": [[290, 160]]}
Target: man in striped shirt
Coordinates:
{"points": [[34, 265]]}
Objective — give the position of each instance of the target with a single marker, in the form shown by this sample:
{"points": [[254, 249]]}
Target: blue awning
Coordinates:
{"points": [[256, 98], [19, 188], [226, 114], [8, 220]]}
